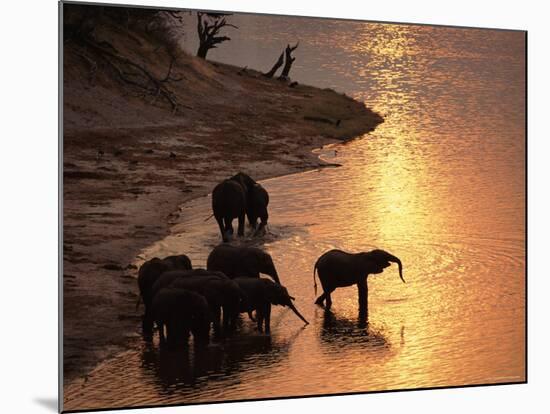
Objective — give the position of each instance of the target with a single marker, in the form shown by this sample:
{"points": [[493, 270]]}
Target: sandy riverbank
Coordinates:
{"points": [[129, 162]]}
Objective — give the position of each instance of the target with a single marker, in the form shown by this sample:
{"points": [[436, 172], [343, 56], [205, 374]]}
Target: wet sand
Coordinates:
{"points": [[129, 164]]}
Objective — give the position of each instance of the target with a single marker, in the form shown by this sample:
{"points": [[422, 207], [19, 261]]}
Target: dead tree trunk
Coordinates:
{"points": [[289, 60], [209, 30], [276, 66]]}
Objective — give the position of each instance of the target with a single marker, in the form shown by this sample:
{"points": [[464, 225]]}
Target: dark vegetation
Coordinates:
{"points": [[81, 24]]}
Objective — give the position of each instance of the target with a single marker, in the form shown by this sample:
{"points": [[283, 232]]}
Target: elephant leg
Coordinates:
{"points": [[147, 324], [229, 225], [240, 230], [216, 314], [319, 301], [222, 228], [162, 338], [227, 320], [233, 320], [325, 297], [268, 319], [260, 320], [363, 296], [251, 220], [328, 304]]}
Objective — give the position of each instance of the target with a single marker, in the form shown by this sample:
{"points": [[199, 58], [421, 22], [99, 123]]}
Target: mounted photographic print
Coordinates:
{"points": [[265, 206]]}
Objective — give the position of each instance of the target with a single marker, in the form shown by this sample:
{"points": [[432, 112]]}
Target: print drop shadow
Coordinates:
{"points": [[339, 331], [190, 367], [50, 404]]}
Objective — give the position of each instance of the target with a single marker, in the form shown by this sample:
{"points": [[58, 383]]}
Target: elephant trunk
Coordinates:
{"points": [[275, 277], [399, 265], [291, 306]]}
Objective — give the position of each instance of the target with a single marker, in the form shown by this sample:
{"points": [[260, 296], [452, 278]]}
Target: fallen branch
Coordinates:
{"points": [[153, 86]]}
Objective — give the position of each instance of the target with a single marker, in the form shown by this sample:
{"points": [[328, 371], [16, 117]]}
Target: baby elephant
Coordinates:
{"points": [[182, 312], [261, 294], [337, 268]]}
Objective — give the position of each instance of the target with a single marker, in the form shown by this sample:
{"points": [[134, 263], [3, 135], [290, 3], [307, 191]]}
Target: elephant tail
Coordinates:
{"points": [[314, 281], [209, 217], [138, 302]]}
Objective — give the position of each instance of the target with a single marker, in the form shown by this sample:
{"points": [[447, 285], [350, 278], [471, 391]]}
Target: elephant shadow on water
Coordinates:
{"points": [[338, 331], [179, 369]]}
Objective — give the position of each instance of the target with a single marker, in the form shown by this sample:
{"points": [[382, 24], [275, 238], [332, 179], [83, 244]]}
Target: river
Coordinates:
{"points": [[440, 184]]}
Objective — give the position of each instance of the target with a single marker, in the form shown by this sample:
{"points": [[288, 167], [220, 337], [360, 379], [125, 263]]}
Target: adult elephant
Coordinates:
{"points": [[337, 268], [149, 272], [257, 203], [261, 294], [220, 292], [244, 261], [257, 200], [228, 203], [181, 312]]}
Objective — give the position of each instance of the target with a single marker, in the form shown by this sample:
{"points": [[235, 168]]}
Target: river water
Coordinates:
{"points": [[440, 184]]}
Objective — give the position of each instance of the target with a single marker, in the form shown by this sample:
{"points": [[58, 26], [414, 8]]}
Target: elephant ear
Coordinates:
{"points": [[377, 261], [382, 259]]}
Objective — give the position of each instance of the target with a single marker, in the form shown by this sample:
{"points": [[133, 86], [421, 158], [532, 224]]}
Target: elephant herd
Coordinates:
{"points": [[181, 300], [184, 300]]}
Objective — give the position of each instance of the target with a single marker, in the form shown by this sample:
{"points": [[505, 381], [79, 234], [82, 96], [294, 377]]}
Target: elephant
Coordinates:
{"points": [[261, 294], [241, 261], [337, 268], [245, 180], [148, 274], [229, 202], [257, 200], [257, 207], [219, 291], [181, 311]]}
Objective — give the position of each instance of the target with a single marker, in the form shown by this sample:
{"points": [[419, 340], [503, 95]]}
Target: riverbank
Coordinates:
{"points": [[129, 162]]}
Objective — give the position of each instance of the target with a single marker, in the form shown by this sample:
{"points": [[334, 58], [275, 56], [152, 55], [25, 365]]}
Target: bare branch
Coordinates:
{"points": [[276, 66], [289, 60]]}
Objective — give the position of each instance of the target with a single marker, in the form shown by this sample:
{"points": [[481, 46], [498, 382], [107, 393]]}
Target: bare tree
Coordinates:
{"points": [[276, 66], [289, 60], [209, 26]]}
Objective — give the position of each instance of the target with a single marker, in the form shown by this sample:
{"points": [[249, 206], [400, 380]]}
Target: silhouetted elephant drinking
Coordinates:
{"points": [[337, 268], [261, 294], [219, 291], [241, 261]]}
